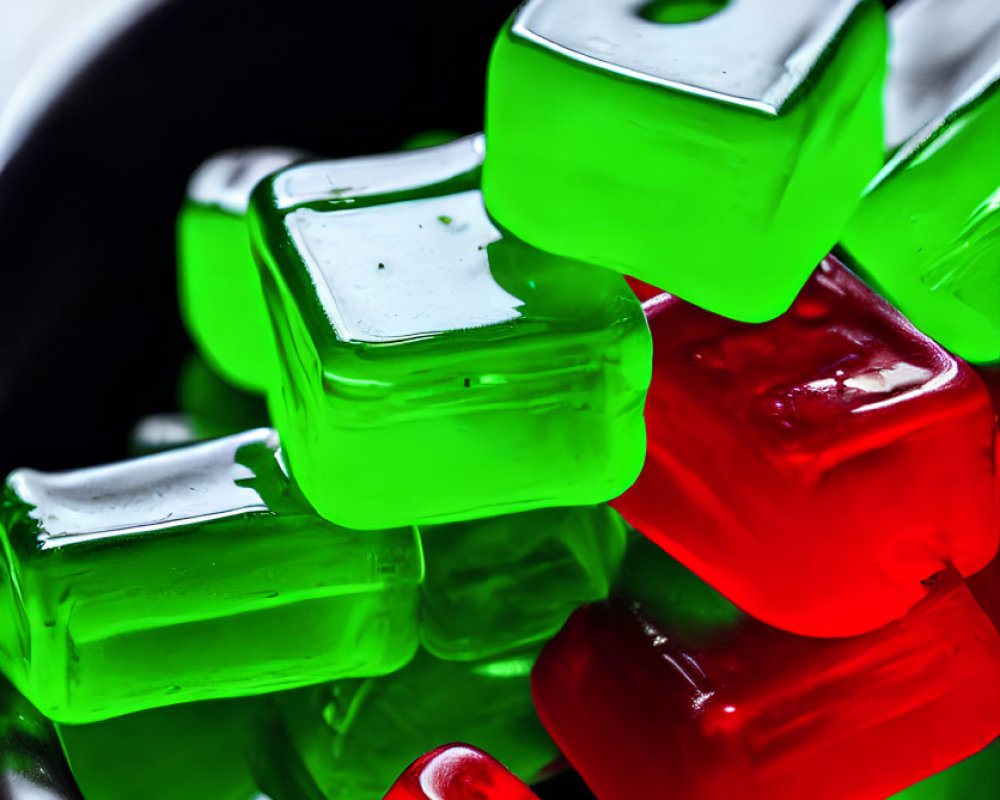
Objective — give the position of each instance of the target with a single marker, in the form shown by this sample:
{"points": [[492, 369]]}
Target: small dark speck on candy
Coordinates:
{"points": [[381, 265], [468, 383]]}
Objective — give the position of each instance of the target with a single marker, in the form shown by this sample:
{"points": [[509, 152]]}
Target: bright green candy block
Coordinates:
{"points": [[927, 233], [433, 370], [350, 740], [496, 584], [220, 296], [195, 574], [976, 778], [194, 751], [717, 159]]}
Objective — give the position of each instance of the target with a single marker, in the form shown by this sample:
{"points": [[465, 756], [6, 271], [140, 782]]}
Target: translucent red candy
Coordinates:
{"points": [[458, 772], [753, 713], [815, 469]]}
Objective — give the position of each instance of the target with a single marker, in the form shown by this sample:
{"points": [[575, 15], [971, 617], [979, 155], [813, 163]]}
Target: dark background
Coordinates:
{"points": [[91, 336]]}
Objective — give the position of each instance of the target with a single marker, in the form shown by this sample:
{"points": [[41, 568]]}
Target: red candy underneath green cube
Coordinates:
{"points": [[816, 469], [644, 707]]}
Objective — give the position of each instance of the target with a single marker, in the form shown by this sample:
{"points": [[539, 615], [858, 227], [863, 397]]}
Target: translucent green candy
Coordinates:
{"points": [[220, 295], [351, 739], [199, 573], [718, 159], [497, 584], [433, 370], [927, 233], [976, 778], [194, 751], [670, 594]]}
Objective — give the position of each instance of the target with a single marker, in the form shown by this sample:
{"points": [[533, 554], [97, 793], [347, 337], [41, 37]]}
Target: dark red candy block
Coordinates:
{"points": [[985, 588], [991, 377], [817, 468], [754, 713], [458, 772]]}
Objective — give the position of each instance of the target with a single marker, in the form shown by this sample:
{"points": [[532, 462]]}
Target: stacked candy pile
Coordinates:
{"points": [[735, 541]]}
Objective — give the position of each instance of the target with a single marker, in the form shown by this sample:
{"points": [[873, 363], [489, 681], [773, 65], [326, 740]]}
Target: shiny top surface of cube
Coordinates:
{"points": [[824, 377], [348, 179], [185, 487], [753, 53], [399, 248], [404, 270]]}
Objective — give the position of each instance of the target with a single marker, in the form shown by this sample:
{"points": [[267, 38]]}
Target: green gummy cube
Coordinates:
{"points": [[927, 232], [195, 574], [433, 369], [670, 594], [496, 584], [718, 159], [194, 751], [219, 288], [351, 739]]}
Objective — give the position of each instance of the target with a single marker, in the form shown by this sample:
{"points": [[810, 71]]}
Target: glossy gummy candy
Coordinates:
{"points": [[816, 469], [195, 574], [927, 233], [716, 157], [739, 710], [497, 584], [433, 370], [458, 772]]}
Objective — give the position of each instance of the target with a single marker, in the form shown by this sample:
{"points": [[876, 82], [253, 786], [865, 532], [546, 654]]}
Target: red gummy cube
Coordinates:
{"points": [[815, 469], [458, 772], [753, 713]]}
